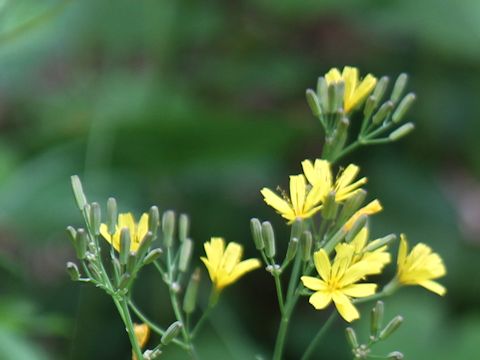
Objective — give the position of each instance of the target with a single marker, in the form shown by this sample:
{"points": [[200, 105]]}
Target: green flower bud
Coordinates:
{"points": [[124, 245], [190, 299], [351, 205], [378, 243], [183, 227], [145, 245], [152, 256], [376, 318], [357, 226], [332, 98], [399, 87], [256, 229], [297, 227], [77, 188], [185, 255], [383, 112], [395, 355], [72, 270], [351, 337], [81, 242], [112, 214], [306, 245], [322, 92], [391, 327], [153, 220], [171, 332], [330, 206], [402, 131], [403, 107], [168, 227], [380, 89], [291, 250], [131, 263], [269, 238], [95, 217], [370, 105], [313, 102], [339, 95], [124, 281]]}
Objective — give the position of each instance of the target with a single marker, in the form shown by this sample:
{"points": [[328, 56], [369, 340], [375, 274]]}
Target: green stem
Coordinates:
{"points": [[278, 287], [314, 343], [123, 305]]}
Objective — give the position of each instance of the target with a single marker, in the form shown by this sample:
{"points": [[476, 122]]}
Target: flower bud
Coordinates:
{"points": [[81, 242], [131, 263], [95, 217], [297, 227], [402, 131], [145, 245], [376, 318], [380, 89], [269, 238], [313, 102], [322, 92], [124, 245], [112, 214], [171, 332], [153, 220], [168, 227], [339, 95], [403, 107], [152, 256], [291, 250], [124, 281], [378, 243], [382, 113], [393, 325], [399, 87], [330, 206], [77, 188], [306, 245], [183, 227], [256, 229], [351, 205], [357, 226], [395, 355], [72, 270], [351, 337], [190, 299], [370, 105], [186, 251]]}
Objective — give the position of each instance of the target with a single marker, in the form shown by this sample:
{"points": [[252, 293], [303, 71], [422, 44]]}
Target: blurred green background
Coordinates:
{"points": [[196, 105]]}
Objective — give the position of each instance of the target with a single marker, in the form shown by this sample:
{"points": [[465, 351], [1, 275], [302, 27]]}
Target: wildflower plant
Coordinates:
{"points": [[329, 260]]}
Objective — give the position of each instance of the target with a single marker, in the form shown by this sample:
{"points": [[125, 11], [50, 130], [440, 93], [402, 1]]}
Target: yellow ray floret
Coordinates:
{"points": [[224, 265], [420, 267], [338, 282], [319, 174], [303, 203], [142, 333], [371, 208], [137, 230], [355, 90]]}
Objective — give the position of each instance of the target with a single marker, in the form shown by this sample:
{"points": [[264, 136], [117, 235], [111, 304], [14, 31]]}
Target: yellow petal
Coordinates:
{"points": [[212, 271], [345, 307], [322, 264], [369, 209], [433, 286], [241, 269], [402, 250], [320, 300], [231, 257], [362, 91], [142, 228], [278, 203], [333, 76], [313, 283], [214, 250], [127, 221], [297, 193], [350, 76], [142, 332], [360, 290]]}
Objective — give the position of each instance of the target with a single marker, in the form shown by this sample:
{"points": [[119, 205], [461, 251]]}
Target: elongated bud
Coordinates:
{"points": [[306, 245], [378, 243], [313, 102], [183, 227], [376, 318], [269, 238], [112, 214], [171, 332], [357, 226], [77, 188], [190, 299], [95, 217], [383, 112], [152, 256], [330, 206], [153, 220], [399, 87], [352, 204], [393, 325], [72, 270], [117, 268], [297, 227], [256, 229], [339, 94], [403, 107], [185, 255], [124, 281], [341, 133], [402, 131], [370, 105], [131, 262], [322, 92], [332, 100], [81, 242], [124, 245], [395, 355], [380, 89], [168, 227], [72, 234], [351, 337], [145, 245], [291, 250]]}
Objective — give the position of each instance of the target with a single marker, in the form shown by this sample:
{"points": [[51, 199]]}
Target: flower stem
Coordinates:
{"points": [[123, 306], [314, 343], [278, 287]]}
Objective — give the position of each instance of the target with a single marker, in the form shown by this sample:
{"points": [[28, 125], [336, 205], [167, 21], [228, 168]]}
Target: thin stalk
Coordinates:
{"points": [[278, 287], [316, 340], [129, 327]]}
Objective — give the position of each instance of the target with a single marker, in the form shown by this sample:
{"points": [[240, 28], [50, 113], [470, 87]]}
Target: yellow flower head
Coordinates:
{"points": [[337, 282], [224, 265], [377, 258], [303, 203], [142, 333], [137, 231], [420, 266], [319, 174], [371, 208], [355, 91]]}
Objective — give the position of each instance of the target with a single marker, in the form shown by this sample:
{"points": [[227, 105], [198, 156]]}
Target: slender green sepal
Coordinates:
{"points": [[403, 107], [152, 256], [269, 238], [190, 299], [77, 188], [168, 227], [378, 243], [186, 251], [183, 227], [81, 243], [402, 131], [383, 112], [124, 245], [95, 217], [306, 245], [112, 214], [356, 227], [153, 220], [330, 206], [399, 87], [256, 229], [351, 205], [171, 332], [291, 250], [313, 102], [391, 327]]}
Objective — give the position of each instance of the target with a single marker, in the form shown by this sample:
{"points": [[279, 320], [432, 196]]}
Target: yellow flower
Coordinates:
{"points": [[355, 91], [224, 265], [137, 231], [371, 208], [142, 333], [377, 258], [319, 174], [420, 266], [303, 202], [337, 282]]}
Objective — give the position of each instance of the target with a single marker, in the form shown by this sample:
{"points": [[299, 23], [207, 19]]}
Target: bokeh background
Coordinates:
{"points": [[196, 105]]}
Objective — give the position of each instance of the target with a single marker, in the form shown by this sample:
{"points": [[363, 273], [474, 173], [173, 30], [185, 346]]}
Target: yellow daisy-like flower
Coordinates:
{"points": [[303, 202], [337, 282], [142, 333], [355, 91], [377, 258], [371, 208], [319, 174], [420, 267], [224, 265], [137, 231]]}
